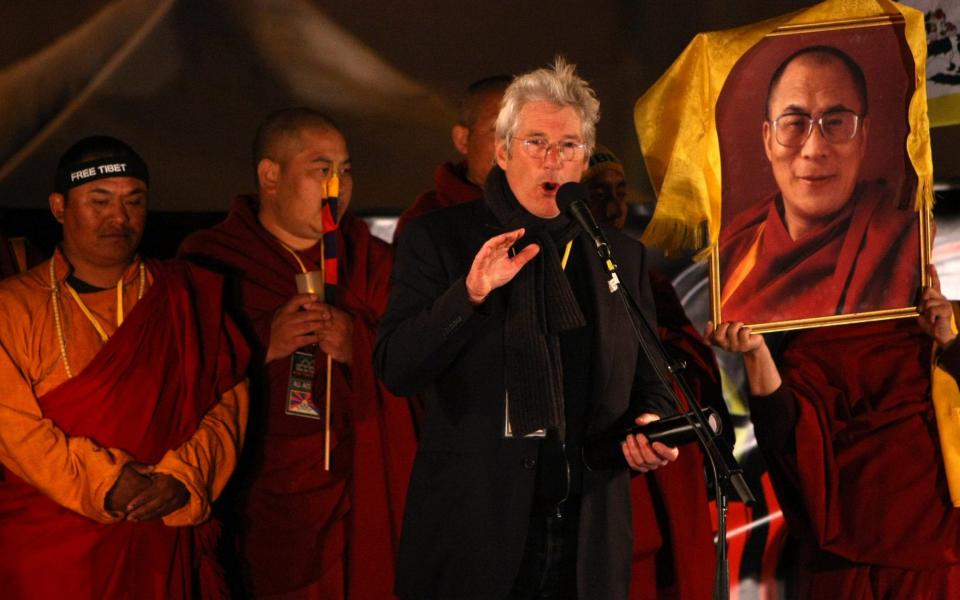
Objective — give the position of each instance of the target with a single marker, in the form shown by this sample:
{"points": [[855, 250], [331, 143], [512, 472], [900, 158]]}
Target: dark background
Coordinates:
{"points": [[186, 83]]}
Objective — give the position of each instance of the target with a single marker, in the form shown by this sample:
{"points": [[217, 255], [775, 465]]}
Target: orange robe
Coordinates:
{"points": [[76, 471]]}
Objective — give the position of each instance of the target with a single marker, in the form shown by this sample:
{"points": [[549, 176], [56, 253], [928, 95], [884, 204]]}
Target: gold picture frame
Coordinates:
{"points": [[750, 228]]}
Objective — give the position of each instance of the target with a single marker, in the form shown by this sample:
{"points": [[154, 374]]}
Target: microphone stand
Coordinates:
{"points": [[727, 473]]}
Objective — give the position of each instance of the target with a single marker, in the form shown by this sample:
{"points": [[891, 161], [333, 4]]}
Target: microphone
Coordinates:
{"points": [[603, 451], [572, 200]]}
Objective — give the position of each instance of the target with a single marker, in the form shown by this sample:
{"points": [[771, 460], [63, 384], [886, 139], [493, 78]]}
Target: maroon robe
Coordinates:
{"points": [[296, 519], [450, 189], [145, 392], [852, 447], [867, 258]]}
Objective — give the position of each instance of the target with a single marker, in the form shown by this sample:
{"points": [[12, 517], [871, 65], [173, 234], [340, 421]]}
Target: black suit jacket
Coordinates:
{"points": [[470, 493]]}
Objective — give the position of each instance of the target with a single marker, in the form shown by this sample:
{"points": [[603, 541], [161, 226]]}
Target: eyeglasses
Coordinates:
{"points": [[837, 127], [537, 147]]}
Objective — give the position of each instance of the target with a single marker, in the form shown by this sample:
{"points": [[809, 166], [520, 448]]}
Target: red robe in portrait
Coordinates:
{"points": [[450, 188], [297, 521], [852, 446], [867, 258], [145, 392]]}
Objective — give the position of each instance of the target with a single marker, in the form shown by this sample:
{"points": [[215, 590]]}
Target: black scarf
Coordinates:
{"points": [[540, 305]]}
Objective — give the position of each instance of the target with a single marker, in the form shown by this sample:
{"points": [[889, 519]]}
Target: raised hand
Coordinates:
{"points": [[935, 312], [493, 266]]}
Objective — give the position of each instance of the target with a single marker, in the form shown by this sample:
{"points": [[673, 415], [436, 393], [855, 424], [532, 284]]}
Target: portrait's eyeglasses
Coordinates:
{"points": [[837, 126], [537, 147]]}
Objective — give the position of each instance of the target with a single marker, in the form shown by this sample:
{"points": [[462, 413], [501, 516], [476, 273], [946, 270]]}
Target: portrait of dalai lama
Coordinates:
{"points": [[831, 240]]}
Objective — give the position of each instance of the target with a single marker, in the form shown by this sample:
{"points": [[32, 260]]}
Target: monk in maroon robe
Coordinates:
{"points": [[846, 424], [303, 529], [674, 554], [473, 138], [176, 356]]}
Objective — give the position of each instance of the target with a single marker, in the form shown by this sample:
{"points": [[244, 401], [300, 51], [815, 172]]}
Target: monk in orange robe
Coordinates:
{"points": [[828, 243], [122, 402]]}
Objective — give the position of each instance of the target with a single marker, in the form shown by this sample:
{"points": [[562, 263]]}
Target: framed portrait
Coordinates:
{"points": [[818, 221]]}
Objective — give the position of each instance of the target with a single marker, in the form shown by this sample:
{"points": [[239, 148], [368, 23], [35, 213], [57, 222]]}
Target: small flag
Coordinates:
{"points": [[330, 214]]}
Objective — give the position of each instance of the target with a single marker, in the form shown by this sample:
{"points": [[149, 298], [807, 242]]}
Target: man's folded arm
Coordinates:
{"points": [[74, 472], [204, 463]]}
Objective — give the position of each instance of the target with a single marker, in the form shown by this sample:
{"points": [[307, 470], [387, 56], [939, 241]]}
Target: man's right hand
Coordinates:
{"points": [[295, 325], [493, 266], [128, 486], [643, 456]]}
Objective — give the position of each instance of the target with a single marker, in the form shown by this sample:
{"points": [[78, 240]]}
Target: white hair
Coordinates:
{"points": [[559, 85]]}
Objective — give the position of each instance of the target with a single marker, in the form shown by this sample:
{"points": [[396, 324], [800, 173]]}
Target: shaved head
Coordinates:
{"points": [[279, 135]]}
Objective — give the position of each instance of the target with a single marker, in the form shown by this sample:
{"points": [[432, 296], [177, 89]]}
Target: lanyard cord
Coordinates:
{"points": [[303, 268], [293, 253], [58, 318]]}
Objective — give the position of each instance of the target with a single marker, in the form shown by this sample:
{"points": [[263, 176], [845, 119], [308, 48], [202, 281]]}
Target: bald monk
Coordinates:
{"points": [[472, 137], [305, 531]]}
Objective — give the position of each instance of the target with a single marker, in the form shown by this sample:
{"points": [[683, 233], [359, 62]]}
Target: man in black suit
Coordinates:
{"points": [[499, 314]]}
